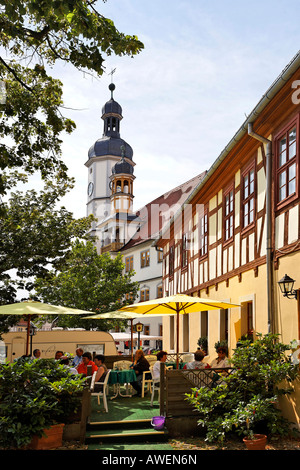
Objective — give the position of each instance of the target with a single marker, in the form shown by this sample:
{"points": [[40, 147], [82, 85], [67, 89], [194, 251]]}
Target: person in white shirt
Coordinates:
{"points": [[221, 361], [65, 361], [161, 357]]}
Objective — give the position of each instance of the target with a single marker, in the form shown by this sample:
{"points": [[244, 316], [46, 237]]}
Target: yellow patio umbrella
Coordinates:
{"points": [[118, 315], [31, 308], [176, 305]]}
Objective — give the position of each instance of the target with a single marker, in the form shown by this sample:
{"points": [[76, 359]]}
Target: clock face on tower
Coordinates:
{"points": [[90, 188]]}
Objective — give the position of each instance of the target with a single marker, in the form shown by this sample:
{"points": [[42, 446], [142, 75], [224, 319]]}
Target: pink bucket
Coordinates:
{"points": [[158, 422]]}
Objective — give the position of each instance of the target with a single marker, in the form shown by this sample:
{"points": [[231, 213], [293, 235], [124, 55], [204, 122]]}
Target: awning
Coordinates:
{"points": [[127, 337]]}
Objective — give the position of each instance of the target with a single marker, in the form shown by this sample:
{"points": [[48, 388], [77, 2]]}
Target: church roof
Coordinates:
{"points": [[155, 215], [122, 167], [111, 142], [110, 146], [112, 107]]}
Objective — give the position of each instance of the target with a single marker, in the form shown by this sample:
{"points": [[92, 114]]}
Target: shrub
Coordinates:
{"points": [[246, 401], [33, 396]]}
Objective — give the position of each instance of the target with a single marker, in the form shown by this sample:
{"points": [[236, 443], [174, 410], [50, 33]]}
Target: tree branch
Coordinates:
{"points": [[12, 71]]}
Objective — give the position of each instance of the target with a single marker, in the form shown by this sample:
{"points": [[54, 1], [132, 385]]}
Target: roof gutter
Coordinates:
{"points": [[264, 101]]}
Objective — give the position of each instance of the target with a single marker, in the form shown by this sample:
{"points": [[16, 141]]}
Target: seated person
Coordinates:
{"points": [[65, 361], [101, 372], [36, 354], [198, 361], [58, 354], [221, 361], [86, 361], [139, 365], [78, 358], [161, 357]]}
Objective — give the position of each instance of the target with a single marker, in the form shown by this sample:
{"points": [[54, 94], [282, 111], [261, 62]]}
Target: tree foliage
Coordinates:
{"points": [[87, 281], [34, 237], [35, 35]]}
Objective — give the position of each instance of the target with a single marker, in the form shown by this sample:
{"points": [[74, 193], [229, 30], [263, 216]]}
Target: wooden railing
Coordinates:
{"points": [[176, 383], [113, 246]]}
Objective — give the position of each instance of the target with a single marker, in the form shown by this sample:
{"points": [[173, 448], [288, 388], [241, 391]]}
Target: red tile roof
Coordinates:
{"points": [[155, 215]]}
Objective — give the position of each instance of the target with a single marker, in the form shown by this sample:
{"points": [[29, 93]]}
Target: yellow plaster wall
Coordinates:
{"points": [[287, 311]]}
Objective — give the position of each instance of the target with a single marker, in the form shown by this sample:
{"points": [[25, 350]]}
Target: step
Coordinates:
{"points": [[123, 430], [119, 432], [123, 422], [127, 435]]}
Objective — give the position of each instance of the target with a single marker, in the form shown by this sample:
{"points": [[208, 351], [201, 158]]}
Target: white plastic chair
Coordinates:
{"points": [[104, 389], [122, 365], [151, 359], [155, 386], [147, 379], [187, 357]]}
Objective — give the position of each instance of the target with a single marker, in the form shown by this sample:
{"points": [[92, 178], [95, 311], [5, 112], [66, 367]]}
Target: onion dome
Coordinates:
{"points": [[111, 142], [122, 166]]}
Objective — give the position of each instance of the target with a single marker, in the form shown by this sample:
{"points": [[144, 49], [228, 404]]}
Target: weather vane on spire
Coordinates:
{"points": [[112, 72], [112, 86]]}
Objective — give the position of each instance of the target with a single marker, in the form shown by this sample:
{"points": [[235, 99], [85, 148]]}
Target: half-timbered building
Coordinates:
{"points": [[237, 234]]}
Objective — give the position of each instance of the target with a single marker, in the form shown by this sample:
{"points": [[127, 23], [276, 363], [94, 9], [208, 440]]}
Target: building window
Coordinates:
{"points": [[147, 330], [204, 330], [145, 294], [249, 318], [228, 219], [159, 291], [129, 296], [224, 325], [128, 264], [145, 258], [203, 235], [171, 260], [248, 197], [184, 250], [160, 256], [287, 160]]}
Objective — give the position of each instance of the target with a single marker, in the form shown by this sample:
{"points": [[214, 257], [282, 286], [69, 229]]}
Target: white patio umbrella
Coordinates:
{"points": [[31, 308], [118, 315]]}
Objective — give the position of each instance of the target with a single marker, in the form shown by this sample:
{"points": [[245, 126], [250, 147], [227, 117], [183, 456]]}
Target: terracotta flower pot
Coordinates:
{"points": [[52, 440], [257, 443]]}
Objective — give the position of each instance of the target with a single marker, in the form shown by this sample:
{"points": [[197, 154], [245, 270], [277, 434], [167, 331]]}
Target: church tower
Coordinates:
{"points": [[110, 182], [121, 185]]}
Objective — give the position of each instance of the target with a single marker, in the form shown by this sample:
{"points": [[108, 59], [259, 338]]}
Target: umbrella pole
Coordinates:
{"points": [[28, 331], [177, 338], [131, 344]]}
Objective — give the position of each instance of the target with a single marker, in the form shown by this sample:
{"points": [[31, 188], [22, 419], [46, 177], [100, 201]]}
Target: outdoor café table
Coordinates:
{"points": [[121, 377], [173, 364]]}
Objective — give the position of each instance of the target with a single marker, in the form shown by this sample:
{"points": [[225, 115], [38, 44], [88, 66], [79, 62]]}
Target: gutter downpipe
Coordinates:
{"points": [[269, 257]]}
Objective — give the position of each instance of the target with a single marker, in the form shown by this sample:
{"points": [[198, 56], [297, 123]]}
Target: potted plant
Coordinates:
{"points": [[245, 402], [35, 395], [247, 418], [203, 343], [223, 344]]}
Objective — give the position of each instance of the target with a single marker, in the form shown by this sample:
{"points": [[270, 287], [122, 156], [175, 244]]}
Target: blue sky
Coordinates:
{"points": [[204, 68]]}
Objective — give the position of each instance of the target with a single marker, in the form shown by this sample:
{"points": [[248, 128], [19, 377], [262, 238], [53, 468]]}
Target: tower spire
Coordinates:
{"points": [[112, 85]]}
